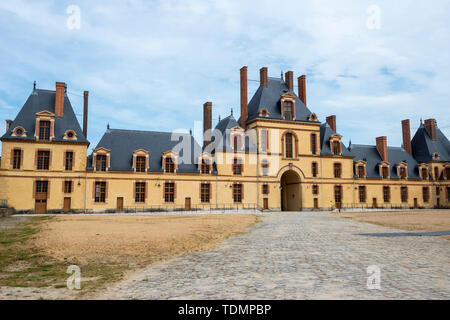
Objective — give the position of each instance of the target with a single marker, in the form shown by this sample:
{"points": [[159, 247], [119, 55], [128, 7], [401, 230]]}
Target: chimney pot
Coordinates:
{"points": [[290, 80], [406, 132], [59, 99], [382, 148], [85, 113], [207, 123], [244, 98], [263, 76], [430, 126], [331, 120], [302, 88]]}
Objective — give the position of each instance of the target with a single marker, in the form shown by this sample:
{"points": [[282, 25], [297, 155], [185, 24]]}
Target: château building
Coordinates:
{"points": [[276, 155]]}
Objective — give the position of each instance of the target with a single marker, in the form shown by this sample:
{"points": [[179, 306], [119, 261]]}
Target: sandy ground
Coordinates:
{"points": [[413, 220]]}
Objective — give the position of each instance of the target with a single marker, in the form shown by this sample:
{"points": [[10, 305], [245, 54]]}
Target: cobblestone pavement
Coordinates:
{"points": [[301, 256]]}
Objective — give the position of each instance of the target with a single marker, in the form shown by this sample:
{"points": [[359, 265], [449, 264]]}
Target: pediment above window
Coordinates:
{"points": [[45, 113]]}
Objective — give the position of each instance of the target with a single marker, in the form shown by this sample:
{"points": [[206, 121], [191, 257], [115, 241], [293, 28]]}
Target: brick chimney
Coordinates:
{"points": [[8, 124], [289, 76], [406, 132], [430, 125], [59, 99], [244, 98], [85, 113], [302, 88], [264, 80], [331, 120], [382, 148], [207, 123]]}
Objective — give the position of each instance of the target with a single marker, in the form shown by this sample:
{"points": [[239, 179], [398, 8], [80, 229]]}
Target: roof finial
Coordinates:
{"points": [[421, 121], [231, 111], [190, 132], [219, 117], [34, 85], [107, 126], [282, 75]]}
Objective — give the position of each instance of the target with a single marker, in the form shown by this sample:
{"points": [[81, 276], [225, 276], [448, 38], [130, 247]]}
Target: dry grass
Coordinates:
{"points": [[413, 220], [36, 253]]}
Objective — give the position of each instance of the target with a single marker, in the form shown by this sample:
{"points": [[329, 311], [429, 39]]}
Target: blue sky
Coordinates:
{"points": [[151, 65]]}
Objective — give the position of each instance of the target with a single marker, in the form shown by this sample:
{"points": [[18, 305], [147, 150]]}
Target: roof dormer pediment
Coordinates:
{"points": [[45, 113]]}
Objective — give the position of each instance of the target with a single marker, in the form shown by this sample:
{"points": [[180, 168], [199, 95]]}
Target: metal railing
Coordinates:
{"points": [[3, 203], [194, 208], [381, 206]]}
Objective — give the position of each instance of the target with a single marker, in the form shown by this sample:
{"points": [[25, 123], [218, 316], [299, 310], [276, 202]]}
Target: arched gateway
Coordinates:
{"points": [[291, 195]]}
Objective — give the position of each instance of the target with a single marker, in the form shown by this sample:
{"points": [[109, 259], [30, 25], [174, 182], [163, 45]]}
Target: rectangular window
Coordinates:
{"points": [[205, 168], [436, 173], [338, 194], [237, 167], [69, 161], [361, 172], [169, 165], [426, 194], [100, 191], [264, 140], [237, 193], [205, 189], [315, 189], [385, 172], [17, 159], [265, 189], [288, 110], [438, 191], [314, 169], [386, 194], [337, 170], [403, 173], [41, 186], [140, 191], [265, 167], [67, 186], [169, 192], [424, 173], [362, 194], [101, 163], [43, 160], [288, 145], [336, 148], [313, 143], [404, 194], [44, 130], [140, 163]]}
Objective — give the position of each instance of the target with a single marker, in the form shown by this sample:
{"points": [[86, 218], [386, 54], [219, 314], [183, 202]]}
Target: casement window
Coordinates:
{"points": [[315, 189], [264, 140], [265, 167], [43, 160], [265, 189], [314, 169], [205, 167], [67, 186], [436, 173], [337, 170], [361, 172], [100, 192], [288, 141], [139, 189], [438, 191], [236, 143], [337, 194], [404, 194], [69, 161], [140, 163], [288, 110], [169, 165], [336, 146], [237, 193], [44, 130], [426, 194], [385, 172], [17, 158], [313, 143], [424, 173], [237, 167], [386, 194], [362, 194], [41, 186], [205, 192], [100, 163], [403, 173], [169, 192]]}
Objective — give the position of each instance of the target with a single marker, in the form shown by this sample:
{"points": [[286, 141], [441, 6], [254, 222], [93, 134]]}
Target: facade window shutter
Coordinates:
{"points": [[147, 163], [73, 161], [134, 191], [200, 191], [210, 192], [50, 160], [242, 191], [146, 190], [174, 190], [106, 190]]}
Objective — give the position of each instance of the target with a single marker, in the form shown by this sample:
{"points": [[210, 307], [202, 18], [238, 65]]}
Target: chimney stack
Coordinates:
{"points": [[244, 98], [289, 76], [331, 120], [302, 88], [382, 148], [8, 124], [207, 123], [263, 76], [406, 131], [59, 99], [85, 113], [430, 125]]}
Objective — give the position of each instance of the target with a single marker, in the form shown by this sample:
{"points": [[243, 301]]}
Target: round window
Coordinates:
{"points": [[70, 134], [19, 132]]}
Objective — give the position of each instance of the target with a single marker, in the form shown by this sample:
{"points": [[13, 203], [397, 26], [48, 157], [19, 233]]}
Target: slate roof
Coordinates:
{"points": [[325, 133], [371, 156], [269, 98], [424, 147], [122, 144], [44, 100], [224, 126]]}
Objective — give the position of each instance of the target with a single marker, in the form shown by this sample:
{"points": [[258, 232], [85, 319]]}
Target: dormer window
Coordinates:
{"points": [[436, 156], [100, 163], [19, 132], [101, 159], [288, 113], [402, 170], [361, 169], [140, 163], [169, 162], [403, 173], [237, 139], [384, 170], [424, 173], [264, 113], [70, 135], [140, 160], [312, 117], [288, 106], [335, 144], [205, 167], [44, 130]]}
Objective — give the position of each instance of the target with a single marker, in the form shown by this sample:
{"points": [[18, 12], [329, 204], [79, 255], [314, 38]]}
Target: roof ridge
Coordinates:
{"points": [[148, 131]]}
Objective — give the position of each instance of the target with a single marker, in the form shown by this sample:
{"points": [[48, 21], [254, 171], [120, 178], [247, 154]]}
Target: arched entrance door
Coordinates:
{"points": [[291, 195]]}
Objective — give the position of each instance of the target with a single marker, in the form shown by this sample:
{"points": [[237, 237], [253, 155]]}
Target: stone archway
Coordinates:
{"points": [[291, 193]]}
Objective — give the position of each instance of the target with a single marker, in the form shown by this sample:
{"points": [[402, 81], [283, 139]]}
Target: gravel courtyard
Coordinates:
{"points": [[301, 256]]}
